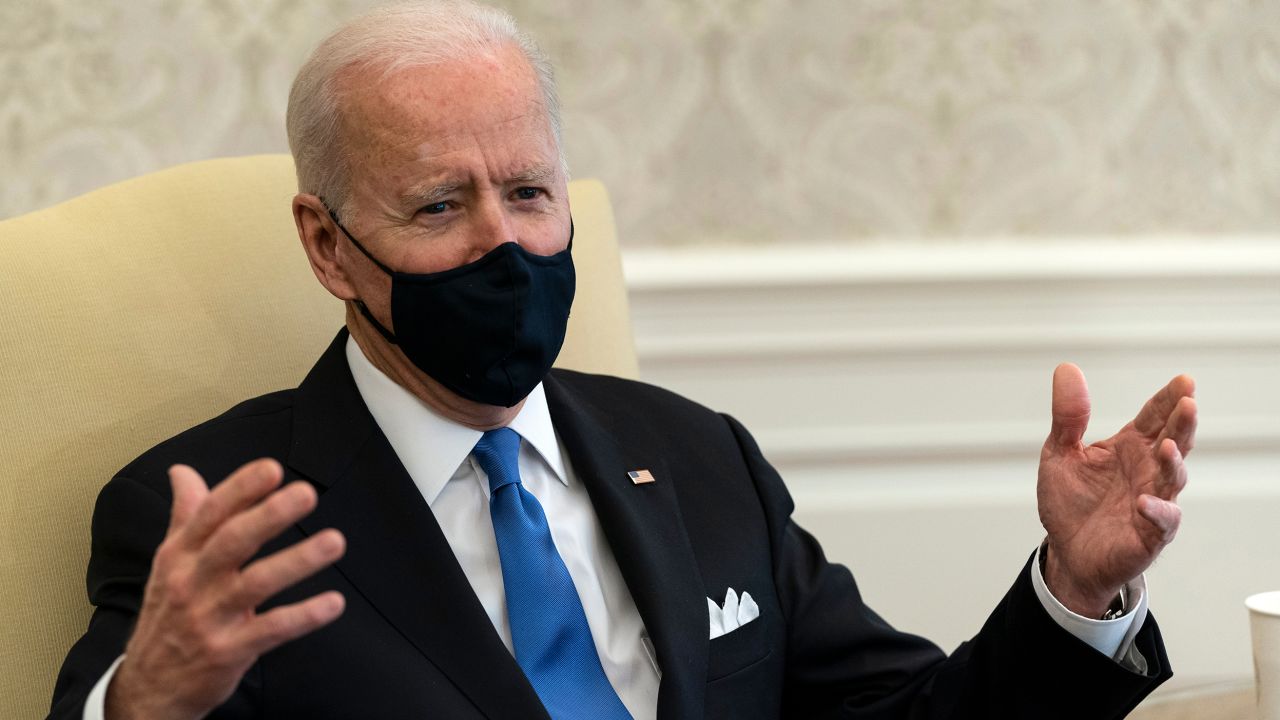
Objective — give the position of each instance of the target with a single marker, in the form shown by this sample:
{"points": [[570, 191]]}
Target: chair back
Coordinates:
{"points": [[143, 308]]}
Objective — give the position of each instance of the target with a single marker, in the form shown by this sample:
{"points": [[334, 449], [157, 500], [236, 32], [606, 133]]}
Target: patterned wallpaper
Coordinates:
{"points": [[747, 121]]}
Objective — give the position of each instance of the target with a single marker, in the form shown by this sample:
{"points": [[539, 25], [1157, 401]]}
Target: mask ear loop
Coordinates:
{"points": [[356, 242], [364, 309]]}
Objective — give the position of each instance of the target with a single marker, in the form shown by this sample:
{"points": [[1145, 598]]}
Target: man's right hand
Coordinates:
{"points": [[198, 631]]}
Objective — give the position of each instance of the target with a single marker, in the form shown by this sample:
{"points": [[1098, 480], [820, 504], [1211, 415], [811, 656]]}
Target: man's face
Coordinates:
{"points": [[446, 163]]}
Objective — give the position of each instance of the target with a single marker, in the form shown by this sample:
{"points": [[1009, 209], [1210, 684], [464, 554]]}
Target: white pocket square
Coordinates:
{"points": [[735, 613]]}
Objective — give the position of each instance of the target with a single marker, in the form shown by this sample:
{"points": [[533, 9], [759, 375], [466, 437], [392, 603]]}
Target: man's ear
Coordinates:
{"points": [[320, 236]]}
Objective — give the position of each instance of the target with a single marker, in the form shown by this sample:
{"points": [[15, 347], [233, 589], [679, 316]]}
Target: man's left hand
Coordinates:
{"points": [[1110, 507]]}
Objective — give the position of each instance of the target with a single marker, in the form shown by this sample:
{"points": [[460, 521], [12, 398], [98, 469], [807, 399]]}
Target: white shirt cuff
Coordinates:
{"points": [[1112, 638], [95, 706]]}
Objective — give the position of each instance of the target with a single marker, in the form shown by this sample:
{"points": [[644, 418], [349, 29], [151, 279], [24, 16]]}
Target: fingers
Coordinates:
{"points": [[237, 539], [1173, 472], [189, 490], [1181, 426], [268, 576], [239, 491], [1155, 414], [1163, 514], [1071, 406], [198, 628], [280, 625]]}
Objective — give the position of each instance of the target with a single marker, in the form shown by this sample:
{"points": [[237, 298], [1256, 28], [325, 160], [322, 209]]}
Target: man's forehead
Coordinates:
{"points": [[430, 139], [520, 146], [489, 88], [425, 112]]}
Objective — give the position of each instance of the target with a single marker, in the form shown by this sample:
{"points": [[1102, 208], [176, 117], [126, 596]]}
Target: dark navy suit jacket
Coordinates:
{"points": [[414, 641]]}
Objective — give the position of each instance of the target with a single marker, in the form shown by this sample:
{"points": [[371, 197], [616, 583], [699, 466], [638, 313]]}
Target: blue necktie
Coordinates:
{"points": [[549, 629]]}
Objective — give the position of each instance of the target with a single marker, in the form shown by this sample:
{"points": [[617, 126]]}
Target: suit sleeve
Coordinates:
{"points": [[129, 522], [844, 661]]}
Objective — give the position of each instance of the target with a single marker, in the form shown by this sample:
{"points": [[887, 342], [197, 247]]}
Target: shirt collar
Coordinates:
{"points": [[432, 447]]}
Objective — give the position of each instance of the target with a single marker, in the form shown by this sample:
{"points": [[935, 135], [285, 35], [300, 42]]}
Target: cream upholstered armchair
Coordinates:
{"points": [[140, 309]]}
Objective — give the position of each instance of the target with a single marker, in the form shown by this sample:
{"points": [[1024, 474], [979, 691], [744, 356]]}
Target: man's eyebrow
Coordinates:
{"points": [[428, 193], [433, 192], [537, 175]]}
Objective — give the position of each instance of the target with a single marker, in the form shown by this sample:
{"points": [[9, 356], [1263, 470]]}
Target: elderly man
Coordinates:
{"points": [[466, 534]]}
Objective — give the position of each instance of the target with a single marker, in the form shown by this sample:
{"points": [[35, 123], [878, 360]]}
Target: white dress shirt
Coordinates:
{"points": [[437, 455]]}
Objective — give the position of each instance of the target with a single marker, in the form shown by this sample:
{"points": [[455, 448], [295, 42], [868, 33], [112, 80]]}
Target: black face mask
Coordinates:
{"points": [[488, 330]]}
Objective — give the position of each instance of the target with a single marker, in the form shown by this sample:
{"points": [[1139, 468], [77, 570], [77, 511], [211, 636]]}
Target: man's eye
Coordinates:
{"points": [[435, 208], [527, 193]]}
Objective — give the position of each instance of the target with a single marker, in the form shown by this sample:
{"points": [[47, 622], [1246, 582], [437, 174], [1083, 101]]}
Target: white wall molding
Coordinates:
{"points": [[906, 260], [859, 443], [903, 392], [792, 343]]}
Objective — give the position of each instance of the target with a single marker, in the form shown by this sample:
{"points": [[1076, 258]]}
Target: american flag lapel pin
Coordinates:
{"points": [[640, 477]]}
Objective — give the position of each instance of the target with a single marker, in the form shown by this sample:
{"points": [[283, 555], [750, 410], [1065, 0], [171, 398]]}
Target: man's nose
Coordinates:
{"points": [[493, 227]]}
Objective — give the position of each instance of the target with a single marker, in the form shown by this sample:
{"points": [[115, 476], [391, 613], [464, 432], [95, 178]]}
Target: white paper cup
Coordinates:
{"points": [[1264, 626]]}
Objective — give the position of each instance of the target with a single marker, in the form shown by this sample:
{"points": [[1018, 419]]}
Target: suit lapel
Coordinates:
{"points": [[646, 532], [397, 557]]}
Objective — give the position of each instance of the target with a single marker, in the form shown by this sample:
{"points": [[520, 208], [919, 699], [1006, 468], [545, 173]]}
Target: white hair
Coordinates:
{"points": [[390, 38]]}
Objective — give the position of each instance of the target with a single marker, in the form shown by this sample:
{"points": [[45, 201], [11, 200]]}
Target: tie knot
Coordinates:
{"points": [[498, 453]]}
